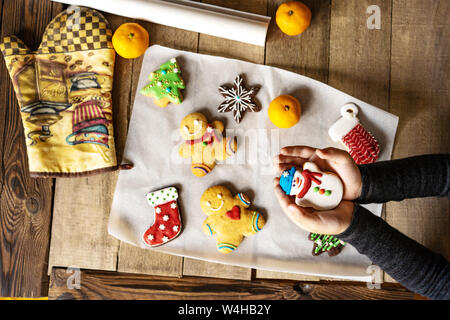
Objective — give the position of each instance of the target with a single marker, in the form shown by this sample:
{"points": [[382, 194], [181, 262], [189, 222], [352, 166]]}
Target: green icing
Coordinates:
{"points": [[325, 242], [165, 83]]}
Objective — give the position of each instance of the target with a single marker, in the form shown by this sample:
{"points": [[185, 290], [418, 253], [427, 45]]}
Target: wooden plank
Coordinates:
{"points": [[98, 285], [306, 54], [133, 259], [25, 203], [359, 56], [202, 268], [238, 50], [419, 96], [79, 229]]}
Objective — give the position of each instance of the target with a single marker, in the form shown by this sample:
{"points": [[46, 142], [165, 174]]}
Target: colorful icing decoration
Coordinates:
{"points": [[165, 84], [229, 218], [312, 187], [204, 143], [238, 99], [326, 243], [167, 218], [360, 143]]}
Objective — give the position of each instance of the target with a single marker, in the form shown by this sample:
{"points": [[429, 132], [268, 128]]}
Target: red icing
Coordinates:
{"points": [[363, 147], [234, 213], [308, 177], [208, 137], [173, 219]]}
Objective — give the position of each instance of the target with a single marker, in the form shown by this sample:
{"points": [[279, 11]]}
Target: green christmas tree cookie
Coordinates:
{"points": [[165, 84], [326, 243]]}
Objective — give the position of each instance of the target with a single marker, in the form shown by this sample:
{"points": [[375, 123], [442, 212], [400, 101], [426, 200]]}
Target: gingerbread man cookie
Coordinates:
{"points": [[229, 217], [312, 187], [204, 143]]}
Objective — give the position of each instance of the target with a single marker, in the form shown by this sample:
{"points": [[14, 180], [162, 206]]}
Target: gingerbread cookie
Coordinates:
{"points": [[165, 84], [204, 143], [360, 143], [238, 99], [167, 219], [312, 187], [229, 217], [326, 243]]}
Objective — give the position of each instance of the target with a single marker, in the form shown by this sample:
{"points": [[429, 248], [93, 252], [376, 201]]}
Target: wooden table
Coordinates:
{"points": [[402, 67]]}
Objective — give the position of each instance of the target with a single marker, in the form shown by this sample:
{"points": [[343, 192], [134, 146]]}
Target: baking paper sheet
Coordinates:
{"points": [[152, 146], [189, 15]]}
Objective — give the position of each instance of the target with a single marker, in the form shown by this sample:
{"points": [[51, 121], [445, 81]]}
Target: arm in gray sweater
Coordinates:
{"points": [[405, 260]]}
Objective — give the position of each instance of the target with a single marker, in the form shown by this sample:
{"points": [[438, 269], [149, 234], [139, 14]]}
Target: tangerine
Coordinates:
{"points": [[284, 111], [130, 40], [293, 17]]}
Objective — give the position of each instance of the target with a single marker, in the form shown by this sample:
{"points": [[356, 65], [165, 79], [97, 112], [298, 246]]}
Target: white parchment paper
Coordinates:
{"points": [[152, 146]]}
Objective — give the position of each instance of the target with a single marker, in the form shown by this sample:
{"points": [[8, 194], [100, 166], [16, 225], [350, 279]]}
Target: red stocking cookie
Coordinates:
{"points": [[360, 143], [167, 222]]}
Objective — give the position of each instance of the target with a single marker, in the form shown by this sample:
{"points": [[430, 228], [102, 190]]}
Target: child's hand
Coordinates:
{"points": [[324, 222], [329, 159]]}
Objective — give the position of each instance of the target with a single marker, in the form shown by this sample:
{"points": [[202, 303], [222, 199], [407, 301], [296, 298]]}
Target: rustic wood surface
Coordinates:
{"points": [[25, 203], [402, 68], [100, 285]]}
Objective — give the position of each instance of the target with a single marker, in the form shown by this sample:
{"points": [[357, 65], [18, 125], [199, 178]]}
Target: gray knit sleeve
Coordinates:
{"points": [[420, 176], [408, 262]]}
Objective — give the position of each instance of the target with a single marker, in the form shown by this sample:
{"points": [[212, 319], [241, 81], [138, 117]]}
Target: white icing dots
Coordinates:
{"points": [[162, 227], [166, 217]]}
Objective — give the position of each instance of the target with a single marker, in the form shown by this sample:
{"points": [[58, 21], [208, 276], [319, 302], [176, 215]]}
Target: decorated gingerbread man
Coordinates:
{"points": [[204, 143], [229, 217]]}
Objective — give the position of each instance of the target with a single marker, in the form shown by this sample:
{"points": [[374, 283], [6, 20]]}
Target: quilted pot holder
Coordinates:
{"points": [[64, 93]]}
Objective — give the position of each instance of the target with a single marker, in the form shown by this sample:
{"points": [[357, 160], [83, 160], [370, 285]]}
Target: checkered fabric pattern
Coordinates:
{"points": [[12, 45], [76, 29]]}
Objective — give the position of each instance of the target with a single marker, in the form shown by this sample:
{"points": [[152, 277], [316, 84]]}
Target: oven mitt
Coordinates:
{"points": [[64, 93]]}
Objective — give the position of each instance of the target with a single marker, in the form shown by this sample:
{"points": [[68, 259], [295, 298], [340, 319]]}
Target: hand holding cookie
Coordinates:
{"points": [[331, 222], [329, 159]]}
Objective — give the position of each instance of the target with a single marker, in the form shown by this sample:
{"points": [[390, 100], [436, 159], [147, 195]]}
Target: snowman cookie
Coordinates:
{"points": [[312, 187]]}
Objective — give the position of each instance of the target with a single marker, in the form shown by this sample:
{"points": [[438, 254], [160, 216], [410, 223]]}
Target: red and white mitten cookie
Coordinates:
{"points": [[360, 143], [167, 222]]}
